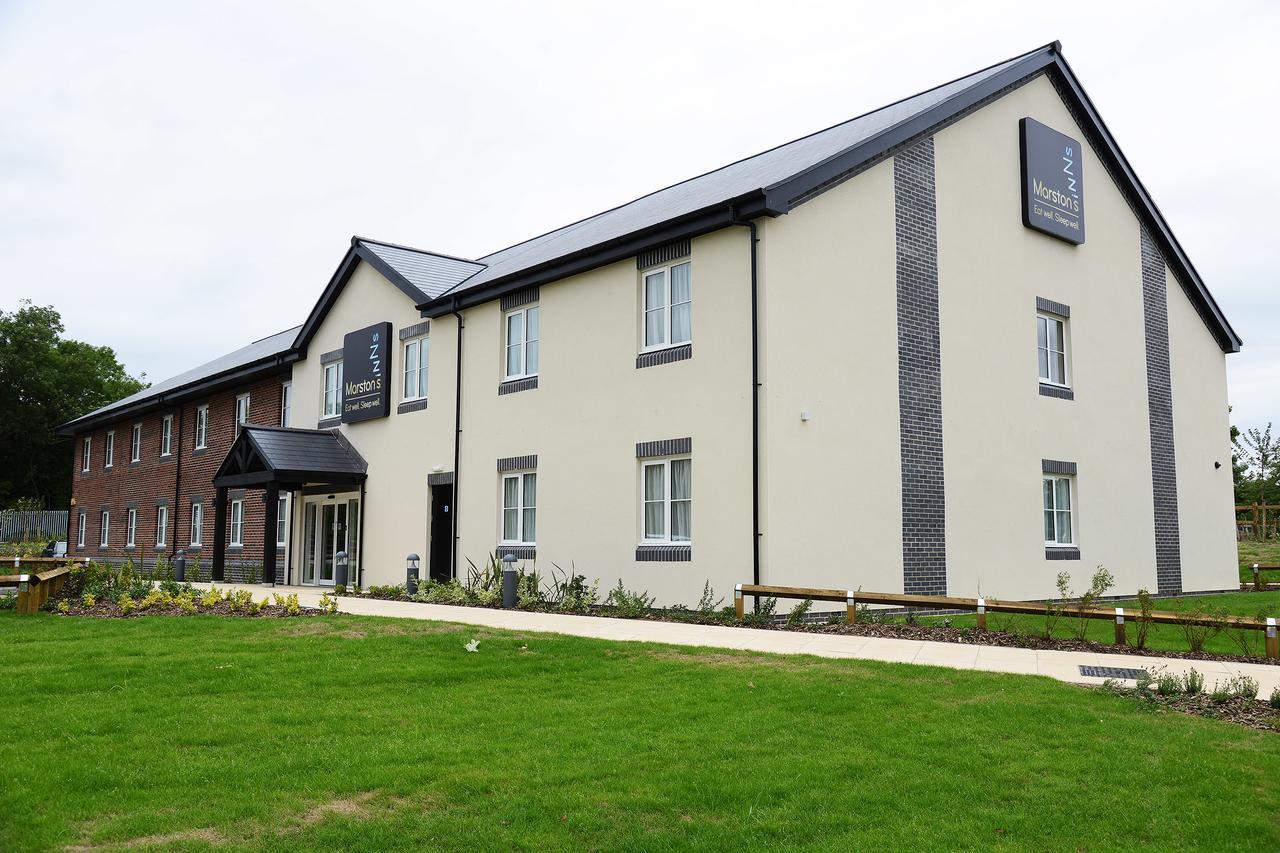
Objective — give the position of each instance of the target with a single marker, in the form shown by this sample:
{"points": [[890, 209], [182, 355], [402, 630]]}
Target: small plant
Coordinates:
{"points": [[340, 589], [796, 617], [328, 603], [392, 592], [291, 606], [708, 604], [212, 596], [1248, 640], [1220, 694], [1053, 609], [252, 572], [1145, 606], [1274, 701], [627, 604], [1243, 686], [88, 599], [912, 617], [1168, 684], [126, 604], [63, 607], [186, 603], [1193, 683], [241, 599], [255, 607], [1145, 679], [763, 615], [1200, 624], [1099, 584]]}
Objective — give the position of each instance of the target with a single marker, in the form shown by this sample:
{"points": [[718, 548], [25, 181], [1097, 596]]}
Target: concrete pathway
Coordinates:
{"points": [[1064, 666]]}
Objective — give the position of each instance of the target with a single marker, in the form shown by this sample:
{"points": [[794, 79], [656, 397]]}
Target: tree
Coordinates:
{"points": [[46, 380], [1261, 456]]}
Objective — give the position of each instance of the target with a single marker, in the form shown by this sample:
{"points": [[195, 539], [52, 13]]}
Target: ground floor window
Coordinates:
{"points": [[520, 508], [80, 532], [162, 524], [667, 498], [131, 528], [282, 521], [104, 528], [1057, 511], [197, 524], [237, 522]]}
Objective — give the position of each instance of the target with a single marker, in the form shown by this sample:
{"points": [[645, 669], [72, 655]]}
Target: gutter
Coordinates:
{"points": [[755, 396], [457, 441]]}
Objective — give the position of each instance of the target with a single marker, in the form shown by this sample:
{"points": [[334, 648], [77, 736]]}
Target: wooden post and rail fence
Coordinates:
{"points": [[1264, 518], [981, 606], [37, 586]]}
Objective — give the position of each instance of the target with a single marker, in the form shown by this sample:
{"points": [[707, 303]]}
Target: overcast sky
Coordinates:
{"points": [[180, 179]]}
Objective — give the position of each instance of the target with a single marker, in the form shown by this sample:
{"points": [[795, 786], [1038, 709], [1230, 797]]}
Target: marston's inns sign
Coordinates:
{"points": [[366, 364], [1052, 182]]}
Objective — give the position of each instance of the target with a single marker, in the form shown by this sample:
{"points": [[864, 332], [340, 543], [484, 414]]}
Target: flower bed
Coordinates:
{"points": [[1235, 700]]}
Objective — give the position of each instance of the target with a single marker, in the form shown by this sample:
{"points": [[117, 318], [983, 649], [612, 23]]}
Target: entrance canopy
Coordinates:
{"points": [[272, 458]]}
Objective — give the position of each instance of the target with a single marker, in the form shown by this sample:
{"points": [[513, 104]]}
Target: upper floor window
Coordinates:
{"points": [[331, 404], [1051, 345], [1057, 511], [286, 404], [416, 353], [135, 443], [166, 435], [667, 497], [237, 522], [242, 411], [104, 528], [668, 306], [109, 450], [522, 342], [202, 426], [520, 508], [86, 452]]}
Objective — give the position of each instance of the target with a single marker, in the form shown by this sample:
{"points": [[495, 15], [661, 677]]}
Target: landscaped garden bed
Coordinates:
{"points": [[1234, 700]]}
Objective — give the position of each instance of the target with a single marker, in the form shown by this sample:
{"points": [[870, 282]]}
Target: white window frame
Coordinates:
{"points": [[131, 528], [1062, 324], [162, 525], [523, 344], [333, 368], [86, 454], [242, 412], [166, 435], [1053, 479], [416, 365], [665, 500], [666, 342], [135, 444], [84, 522], [104, 528], [282, 521], [197, 524], [237, 523], [202, 427], [520, 508], [286, 403], [109, 450]]}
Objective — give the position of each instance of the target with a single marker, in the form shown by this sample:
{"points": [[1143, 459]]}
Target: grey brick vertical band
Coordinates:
{"points": [[924, 537], [1164, 474]]}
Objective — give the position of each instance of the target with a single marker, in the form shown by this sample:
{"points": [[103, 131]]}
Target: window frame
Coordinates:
{"points": [[104, 529], [1070, 510], [1062, 323], [667, 306], [336, 368], [131, 527], [419, 367], [239, 421], [86, 454], [135, 444], [166, 436], [202, 427], [665, 462], [520, 508], [195, 536], [286, 403], [109, 450], [84, 523], [235, 523], [162, 526], [525, 340], [282, 520]]}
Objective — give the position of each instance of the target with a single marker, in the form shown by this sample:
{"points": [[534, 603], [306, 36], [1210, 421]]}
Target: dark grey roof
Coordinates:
{"points": [[266, 348], [261, 454], [429, 272]]}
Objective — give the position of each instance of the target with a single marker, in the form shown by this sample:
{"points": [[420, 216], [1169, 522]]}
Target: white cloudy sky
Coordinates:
{"points": [[179, 179]]}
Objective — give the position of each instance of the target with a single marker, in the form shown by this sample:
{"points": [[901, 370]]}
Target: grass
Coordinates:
{"points": [[1159, 637], [363, 733], [1265, 553]]}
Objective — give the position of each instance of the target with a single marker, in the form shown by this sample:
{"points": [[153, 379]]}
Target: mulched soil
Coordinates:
{"points": [[110, 610], [1253, 713]]}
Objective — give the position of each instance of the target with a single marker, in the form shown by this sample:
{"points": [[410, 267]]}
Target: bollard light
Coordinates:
{"points": [[510, 579], [411, 574], [340, 570], [180, 566]]}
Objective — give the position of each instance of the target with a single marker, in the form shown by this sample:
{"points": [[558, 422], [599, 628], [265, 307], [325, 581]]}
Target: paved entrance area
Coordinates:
{"points": [[1064, 666]]}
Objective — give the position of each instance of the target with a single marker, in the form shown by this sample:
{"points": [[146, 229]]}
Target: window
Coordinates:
{"points": [[332, 402], [103, 529], [109, 450], [242, 411], [87, 453], [166, 435], [667, 497], [522, 342], [415, 368], [519, 508], [282, 522], [162, 524], [668, 306], [1057, 511], [197, 524], [202, 427], [135, 443], [237, 522], [80, 532], [131, 528], [286, 404], [1051, 345]]}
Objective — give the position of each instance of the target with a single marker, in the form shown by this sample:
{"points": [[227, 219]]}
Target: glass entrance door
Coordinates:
{"points": [[327, 531]]}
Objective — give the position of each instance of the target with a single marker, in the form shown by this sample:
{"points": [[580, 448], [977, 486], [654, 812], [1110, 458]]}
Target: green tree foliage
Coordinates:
{"points": [[46, 380]]}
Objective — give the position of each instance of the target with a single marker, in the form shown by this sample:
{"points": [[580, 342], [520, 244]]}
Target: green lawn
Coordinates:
{"points": [[1264, 554], [361, 733], [1161, 637]]}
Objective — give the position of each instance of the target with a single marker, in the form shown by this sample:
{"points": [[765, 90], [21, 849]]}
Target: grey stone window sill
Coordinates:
{"points": [[664, 553], [1056, 391], [515, 385], [411, 406], [1062, 553], [329, 423], [664, 356]]}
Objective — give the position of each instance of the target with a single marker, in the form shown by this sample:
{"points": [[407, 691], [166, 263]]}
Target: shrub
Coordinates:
{"points": [[1099, 584], [487, 577], [1200, 624], [252, 572], [88, 599], [1243, 686], [211, 597], [797, 614], [569, 591], [627, 604], [1274, 701], [328, 603], [1168, 684], [1247, 640], [1193, 683], [1145, 606], [340, 589], [126, 604], [186, 602], [1220, 693], [241, 599], [528, 589], [763, 615], [392, 592], [1053, 609], [708, 604], [64, 607]]}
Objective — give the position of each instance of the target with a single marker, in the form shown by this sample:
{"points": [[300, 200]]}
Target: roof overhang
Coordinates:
{"points": [[257, 459]]}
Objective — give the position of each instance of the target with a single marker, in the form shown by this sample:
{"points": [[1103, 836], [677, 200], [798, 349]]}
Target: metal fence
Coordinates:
{"points": [[22, 525]]}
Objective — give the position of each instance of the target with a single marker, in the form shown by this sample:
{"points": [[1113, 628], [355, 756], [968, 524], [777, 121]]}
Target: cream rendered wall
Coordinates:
{"points": [[832, 498], [593, 405], [996, 426], [1201, 437], [400, 449]]}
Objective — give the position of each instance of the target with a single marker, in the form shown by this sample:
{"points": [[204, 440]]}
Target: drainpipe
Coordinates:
{"points": [[755, 400], [457, 439], [172, 524]]}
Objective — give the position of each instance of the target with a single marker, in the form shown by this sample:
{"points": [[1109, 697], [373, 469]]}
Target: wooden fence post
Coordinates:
{"points": [[737, 600], [1257, 578], [1120, 640], [982, 614], [1273, 642], [850, 608]]}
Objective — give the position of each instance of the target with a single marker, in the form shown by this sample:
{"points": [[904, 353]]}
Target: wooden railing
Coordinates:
{"points": [[852, 598], [1259, 584], [37, 587]]}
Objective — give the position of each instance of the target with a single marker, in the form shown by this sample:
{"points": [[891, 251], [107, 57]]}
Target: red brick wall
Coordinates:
{"points": [[155, 479]]}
